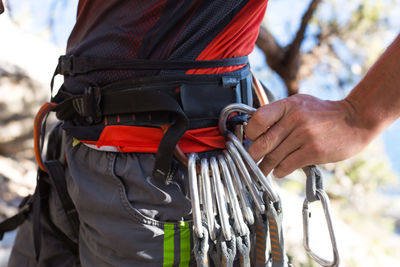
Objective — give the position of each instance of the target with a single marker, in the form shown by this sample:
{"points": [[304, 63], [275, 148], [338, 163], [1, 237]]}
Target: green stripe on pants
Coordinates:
{"points": [[185, 244], [168, 258]]}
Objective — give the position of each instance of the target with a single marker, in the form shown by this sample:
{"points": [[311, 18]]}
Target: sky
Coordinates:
{"points": [[282, 19]]}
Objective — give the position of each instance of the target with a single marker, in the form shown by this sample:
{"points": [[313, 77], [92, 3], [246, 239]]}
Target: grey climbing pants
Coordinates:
{"points": [[126, 217]]}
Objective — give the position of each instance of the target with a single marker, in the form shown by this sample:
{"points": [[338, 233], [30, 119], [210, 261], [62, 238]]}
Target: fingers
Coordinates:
{"points": [[274, 158], [298, 159], [268, 141], [264, 118]]}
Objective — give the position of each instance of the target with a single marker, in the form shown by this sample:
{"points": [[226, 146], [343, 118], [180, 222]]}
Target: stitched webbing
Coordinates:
{"points": [[72, 65]]}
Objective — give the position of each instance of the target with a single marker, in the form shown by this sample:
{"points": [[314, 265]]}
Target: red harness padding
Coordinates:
{"points": [[147, 139]]}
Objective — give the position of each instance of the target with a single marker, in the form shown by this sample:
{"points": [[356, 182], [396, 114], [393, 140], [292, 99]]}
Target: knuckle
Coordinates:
{"points": [[255, 125], [317, 148], [309, 132], [295, 100], [258, 116], [283, 166], [279, 172], [271, 158], [302, 117], [265, 141]]}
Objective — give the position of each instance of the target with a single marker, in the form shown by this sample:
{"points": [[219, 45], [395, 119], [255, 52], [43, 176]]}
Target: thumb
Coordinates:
{"points": [[264, 117]]}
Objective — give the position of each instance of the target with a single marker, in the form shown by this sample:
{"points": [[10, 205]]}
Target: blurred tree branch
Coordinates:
{"points": [[286, 60], [346, 39], [1, 7]]}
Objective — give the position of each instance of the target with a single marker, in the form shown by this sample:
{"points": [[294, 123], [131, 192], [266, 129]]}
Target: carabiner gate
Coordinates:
{"points": [[194, 193], [326, 207]]}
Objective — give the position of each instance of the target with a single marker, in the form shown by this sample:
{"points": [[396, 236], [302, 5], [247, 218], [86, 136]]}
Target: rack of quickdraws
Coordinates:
{"points": [[236, 211]]}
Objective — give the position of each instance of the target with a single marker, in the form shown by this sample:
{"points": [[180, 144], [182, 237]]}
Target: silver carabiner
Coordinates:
{"points": [[245, 204], [246, 176], [236, 107], [239, 224], [326, 206], [263, 181], [221, 201], [207, 198], [194, 193]]}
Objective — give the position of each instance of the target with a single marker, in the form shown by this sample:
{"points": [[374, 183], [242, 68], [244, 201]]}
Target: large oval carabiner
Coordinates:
{"points": [[326, 207], [263, 181], [194, 194], [228, 110]]}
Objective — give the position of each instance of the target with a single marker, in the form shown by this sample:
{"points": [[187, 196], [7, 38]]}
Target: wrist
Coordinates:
{"points": [[362, 116]]}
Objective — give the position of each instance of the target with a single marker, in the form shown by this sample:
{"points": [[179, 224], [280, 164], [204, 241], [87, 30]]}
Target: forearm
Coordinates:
{"points": [[303, 130], [376, 99]]}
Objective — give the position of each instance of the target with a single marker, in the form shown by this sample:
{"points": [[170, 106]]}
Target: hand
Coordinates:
{"points": [[302, 130]]}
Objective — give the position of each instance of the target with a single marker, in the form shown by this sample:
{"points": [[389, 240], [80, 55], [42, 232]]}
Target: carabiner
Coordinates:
{"points": [[326, 206], [207, 198], [194, 193], [241, 193], [263, 181], [239, 224], [246, 176], [221, 201], [236, 107]]}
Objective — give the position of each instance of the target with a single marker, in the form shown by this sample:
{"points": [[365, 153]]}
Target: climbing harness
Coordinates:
{"points": [[237, 214]]}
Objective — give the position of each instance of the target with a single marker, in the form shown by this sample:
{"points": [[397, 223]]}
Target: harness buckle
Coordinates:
{"points": [[88, 106], [65, 64]]}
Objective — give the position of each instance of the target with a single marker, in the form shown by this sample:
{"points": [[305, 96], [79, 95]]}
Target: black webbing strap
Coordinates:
{"points": [[66, 240], [146, 101], [41, 216], [138, 101], [72, 65], [41, 192], [57, 179], [313, 182], [13, 222]]}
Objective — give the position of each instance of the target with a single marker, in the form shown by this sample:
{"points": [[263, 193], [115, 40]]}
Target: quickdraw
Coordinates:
{"points": [[231, 184]]}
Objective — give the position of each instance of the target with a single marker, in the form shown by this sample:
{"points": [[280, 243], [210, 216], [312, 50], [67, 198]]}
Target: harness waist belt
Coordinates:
{"points": [[151, 114]]}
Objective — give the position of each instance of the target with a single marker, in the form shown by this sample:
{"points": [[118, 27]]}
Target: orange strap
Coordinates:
{"points": [[37, 131], [147, 139]]}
